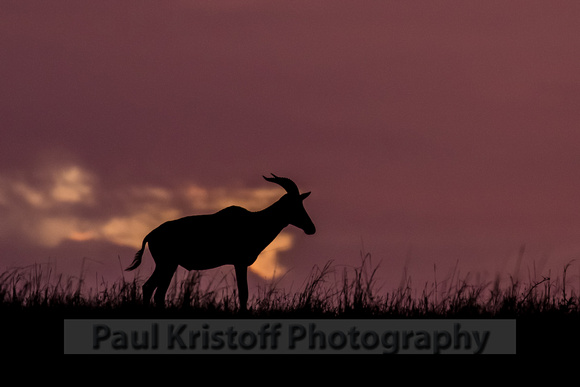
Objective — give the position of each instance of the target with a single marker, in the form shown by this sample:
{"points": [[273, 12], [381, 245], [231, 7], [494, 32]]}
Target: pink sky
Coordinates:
{"points": [[432, 132]]}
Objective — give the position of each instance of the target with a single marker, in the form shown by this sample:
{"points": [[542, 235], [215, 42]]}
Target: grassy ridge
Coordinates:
{"points": [[34, 301], [354, 294]]}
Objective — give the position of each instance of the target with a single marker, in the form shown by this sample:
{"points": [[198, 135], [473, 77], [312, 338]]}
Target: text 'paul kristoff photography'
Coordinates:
{"points": [[289, 336]]}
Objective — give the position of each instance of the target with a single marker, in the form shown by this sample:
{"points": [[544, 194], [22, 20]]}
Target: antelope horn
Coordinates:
{"points": [[285, 183]]}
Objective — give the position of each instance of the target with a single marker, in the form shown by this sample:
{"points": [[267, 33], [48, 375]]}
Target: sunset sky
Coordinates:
{"points": [[430, 133]]}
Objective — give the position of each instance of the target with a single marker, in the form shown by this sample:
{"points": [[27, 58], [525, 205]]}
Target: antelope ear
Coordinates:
{"points": [[305, 195]]}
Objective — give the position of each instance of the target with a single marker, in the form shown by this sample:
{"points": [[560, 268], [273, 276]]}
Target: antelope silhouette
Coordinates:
{"points": [[232, 236]]}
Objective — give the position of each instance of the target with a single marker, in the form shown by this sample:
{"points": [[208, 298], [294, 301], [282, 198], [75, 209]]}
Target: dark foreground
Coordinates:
{"points": [[33, 312]]}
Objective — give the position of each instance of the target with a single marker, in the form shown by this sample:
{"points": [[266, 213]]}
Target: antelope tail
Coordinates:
{"points": [[138, 256]]}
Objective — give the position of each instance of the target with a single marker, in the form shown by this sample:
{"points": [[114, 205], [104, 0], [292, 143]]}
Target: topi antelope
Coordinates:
{"points": [[232, 236]]}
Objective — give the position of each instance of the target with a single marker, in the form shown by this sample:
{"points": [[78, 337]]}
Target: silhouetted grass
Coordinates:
{"points": [[327, 292], [34, 301]]}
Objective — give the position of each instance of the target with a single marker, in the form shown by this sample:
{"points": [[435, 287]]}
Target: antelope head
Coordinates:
{"points": [[292, 204]]}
